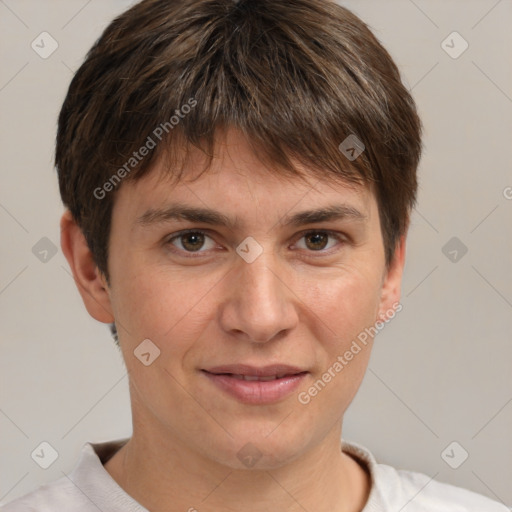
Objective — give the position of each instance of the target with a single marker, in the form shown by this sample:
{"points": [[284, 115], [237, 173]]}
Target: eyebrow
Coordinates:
{"points": [[213, 217]]}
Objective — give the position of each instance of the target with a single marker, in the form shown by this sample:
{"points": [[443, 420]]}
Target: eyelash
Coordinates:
{"points": [[191, 254]]}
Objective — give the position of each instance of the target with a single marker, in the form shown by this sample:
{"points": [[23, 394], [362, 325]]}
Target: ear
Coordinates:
{"points": [[89, 280], [392, 281]]}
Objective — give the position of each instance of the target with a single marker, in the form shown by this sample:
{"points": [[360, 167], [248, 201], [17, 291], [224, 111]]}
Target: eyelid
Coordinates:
{"points": [[335, 234], [177, 234]]}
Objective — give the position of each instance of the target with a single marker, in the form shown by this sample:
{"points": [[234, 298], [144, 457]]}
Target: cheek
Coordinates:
{"points": [[346, 308], [346, 304], [162, 306]]}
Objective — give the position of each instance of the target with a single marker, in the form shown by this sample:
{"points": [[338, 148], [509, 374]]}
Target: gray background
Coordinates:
{"points": [[441, 371]]}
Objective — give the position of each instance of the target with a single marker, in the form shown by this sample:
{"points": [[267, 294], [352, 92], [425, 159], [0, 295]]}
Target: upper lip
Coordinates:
{"points": [[262, 371]]}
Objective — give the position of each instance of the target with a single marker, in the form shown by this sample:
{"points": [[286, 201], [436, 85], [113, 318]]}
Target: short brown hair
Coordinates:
{"points": [[297, 78]]}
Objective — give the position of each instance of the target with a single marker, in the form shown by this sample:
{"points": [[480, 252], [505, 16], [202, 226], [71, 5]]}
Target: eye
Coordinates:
{"points": [[318, 241], [198, 241], [191, 241]]}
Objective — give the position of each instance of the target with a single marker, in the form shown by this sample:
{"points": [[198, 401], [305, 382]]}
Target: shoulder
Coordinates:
{"points": [[57, 495], [88, 488], [422, 493], [395, 489]]}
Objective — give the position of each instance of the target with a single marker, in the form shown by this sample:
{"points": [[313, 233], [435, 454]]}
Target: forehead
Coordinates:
{"points": [[237, 180]]}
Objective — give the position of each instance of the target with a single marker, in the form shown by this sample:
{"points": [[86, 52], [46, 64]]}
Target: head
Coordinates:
{"points": [[236, 120]]}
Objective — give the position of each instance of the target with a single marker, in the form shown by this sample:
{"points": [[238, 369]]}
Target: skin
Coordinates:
{"points": [[298, 303]]}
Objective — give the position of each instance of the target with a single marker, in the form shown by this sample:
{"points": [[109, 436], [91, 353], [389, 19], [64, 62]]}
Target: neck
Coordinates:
{"points": [[167, 476]]}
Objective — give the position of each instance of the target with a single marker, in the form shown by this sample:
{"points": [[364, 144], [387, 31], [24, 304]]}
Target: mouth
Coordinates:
{"points": [[256, 377], [256, 385]]}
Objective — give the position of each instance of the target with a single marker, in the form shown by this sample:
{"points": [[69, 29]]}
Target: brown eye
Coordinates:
{"points": [[316, 241], [192, 241]]}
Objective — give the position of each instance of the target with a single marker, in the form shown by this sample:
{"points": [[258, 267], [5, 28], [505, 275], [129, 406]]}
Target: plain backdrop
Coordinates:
{"points": [[441, 371]]}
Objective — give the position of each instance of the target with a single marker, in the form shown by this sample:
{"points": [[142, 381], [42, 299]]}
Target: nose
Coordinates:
{"points": [[259, 303]]}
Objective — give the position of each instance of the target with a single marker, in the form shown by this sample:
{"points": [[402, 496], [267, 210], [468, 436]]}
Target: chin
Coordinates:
{"points": [[258, 452]]}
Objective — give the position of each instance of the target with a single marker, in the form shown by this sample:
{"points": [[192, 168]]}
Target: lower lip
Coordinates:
{"points": [[257, 392]]}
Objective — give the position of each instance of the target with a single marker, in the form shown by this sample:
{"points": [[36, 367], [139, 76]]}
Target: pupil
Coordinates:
{"points": [[317, 238], [193, 241]]}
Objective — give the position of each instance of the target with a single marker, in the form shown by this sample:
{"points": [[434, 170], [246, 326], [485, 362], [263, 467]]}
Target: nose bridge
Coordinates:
{"points": [[258, 302], [259, 278]]}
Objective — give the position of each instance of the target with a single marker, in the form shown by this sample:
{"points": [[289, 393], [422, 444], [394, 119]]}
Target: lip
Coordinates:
{"points": [[256, 392], [260, 371]]}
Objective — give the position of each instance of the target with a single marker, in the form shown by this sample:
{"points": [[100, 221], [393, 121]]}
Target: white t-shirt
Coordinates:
{"points": [[89, 488]]}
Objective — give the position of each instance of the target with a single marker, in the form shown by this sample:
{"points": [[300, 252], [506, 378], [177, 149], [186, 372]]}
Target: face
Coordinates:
{"points": [[229, 275]]}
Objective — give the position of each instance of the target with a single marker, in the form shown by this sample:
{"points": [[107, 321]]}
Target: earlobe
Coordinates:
{"points": [[90, 282]]}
